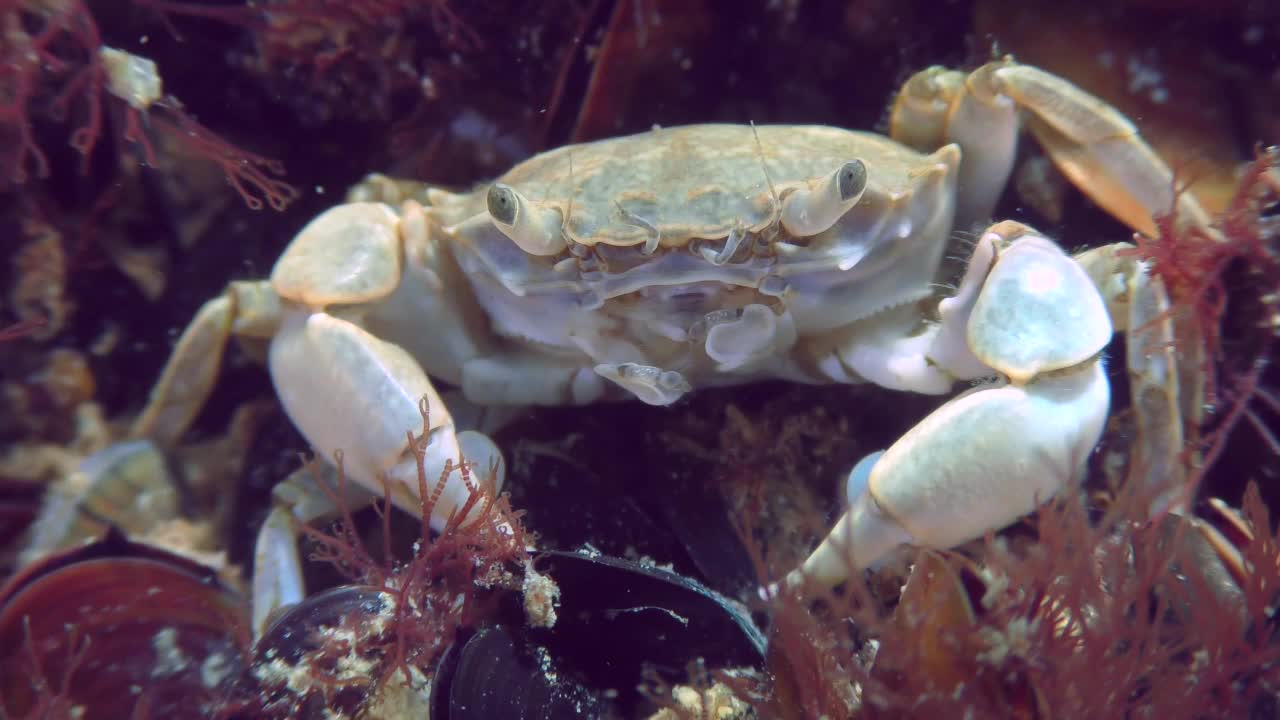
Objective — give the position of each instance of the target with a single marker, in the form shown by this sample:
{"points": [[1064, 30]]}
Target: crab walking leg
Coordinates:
{"points": [[246, 308], [995, 452], [937, 106], [277, 569], [277, 565], [1139, 307], [1092, 143], [1098, 149]]}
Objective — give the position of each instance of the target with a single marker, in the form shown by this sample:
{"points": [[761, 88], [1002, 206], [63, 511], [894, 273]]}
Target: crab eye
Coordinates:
{"points": [[809, 211], [851, 179], [535, 229], [503, 204]]}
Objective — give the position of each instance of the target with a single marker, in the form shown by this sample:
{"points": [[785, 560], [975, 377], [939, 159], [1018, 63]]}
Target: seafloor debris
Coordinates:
{"points": [[38, 293]]}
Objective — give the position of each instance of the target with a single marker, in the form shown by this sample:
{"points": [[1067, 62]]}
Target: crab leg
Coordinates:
{"points": [[351, 393], [1100, 151], [1139, 307], [277, 565], [247, 309], [348, 390], [345, 389], [1092, 143]]}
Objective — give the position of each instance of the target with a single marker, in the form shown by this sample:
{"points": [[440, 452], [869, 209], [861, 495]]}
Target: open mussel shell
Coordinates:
{"points": [[617, 619], [644, 614], [119, 629], [498, 673]]}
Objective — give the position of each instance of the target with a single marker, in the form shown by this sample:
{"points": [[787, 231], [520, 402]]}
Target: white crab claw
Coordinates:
{"points": [[994, 453], [348, 391], [809, 211], [978, 463], [536, 230], [1038, 312]]}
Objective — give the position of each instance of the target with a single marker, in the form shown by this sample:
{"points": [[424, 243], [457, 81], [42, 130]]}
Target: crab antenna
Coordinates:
{"points": [[573, 191], [809, 211], [764, 167], [538, 231]]}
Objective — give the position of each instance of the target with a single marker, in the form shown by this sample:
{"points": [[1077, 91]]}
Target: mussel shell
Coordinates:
{"points": [[327, 656], [292, 633], [616, 619], [114, 625], [644, 614], [497, 673]]}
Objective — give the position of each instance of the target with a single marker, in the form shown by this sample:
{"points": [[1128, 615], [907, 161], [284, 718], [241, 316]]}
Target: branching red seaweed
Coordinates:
{"points": [[442, 588], [1112, 618], [53, 63], [1195, 264], [50, 700]]}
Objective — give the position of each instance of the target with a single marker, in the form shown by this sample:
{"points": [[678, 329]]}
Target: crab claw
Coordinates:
{"points": [[994, 453], [349, 391], [976, 464], [809, 211], [535, 229]]}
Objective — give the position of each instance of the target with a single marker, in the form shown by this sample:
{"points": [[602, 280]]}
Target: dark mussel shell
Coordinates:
{"points": [[118, 630], [498, 673], [617, 619], [301, 663], [645, 615]]}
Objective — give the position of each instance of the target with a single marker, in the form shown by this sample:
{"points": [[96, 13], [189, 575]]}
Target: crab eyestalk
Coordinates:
{"points": [[809, 211], [538, 231]]}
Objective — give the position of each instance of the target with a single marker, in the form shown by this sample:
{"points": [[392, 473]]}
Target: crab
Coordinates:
{"points": [[648, 266]]}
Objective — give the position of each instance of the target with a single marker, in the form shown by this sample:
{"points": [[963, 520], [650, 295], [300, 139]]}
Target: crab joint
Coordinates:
{"points": [[536, 230], [809, 211]]}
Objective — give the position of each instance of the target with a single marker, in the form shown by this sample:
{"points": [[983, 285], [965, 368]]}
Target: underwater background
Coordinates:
{"points": [[124, 207]]}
